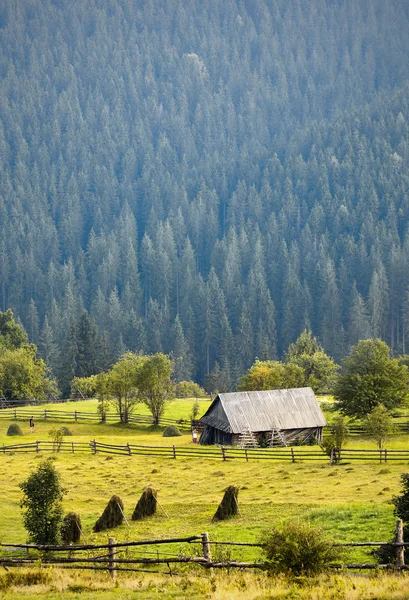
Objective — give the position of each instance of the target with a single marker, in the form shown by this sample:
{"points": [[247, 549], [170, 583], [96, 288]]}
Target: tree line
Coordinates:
{"points": [[206, 180]]}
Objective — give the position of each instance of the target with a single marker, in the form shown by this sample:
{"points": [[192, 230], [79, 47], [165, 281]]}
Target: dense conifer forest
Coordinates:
{"points": [[204, 178]]}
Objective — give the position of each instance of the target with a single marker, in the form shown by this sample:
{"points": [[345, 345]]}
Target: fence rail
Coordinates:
{"points": [[80, 556], [283, 454], [46, 414]]}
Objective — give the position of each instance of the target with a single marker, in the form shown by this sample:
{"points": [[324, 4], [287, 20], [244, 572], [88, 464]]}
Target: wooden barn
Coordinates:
{"points": [[267, 418]]}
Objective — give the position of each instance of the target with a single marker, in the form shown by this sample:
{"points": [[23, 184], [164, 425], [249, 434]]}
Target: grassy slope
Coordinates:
{"points": [[351, 502]]}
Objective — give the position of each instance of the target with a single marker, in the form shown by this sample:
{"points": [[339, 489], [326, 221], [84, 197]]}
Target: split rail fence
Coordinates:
{"points": [[124, 556], [283, 454], [46, 414]]}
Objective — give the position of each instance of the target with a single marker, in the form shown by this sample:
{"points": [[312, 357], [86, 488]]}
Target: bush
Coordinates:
{"points": [[189, 389], [71, 529], [43, 494], [387, 554], [171, 431], [14, 429], [57, 437], [65, 431], [299, 549], [22, 578]]}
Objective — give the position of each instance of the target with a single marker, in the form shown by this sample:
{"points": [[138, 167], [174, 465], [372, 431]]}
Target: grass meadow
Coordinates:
{"points": [[351, 502]]}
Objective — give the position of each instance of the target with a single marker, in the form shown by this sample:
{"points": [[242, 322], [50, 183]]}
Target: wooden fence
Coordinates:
{"points": [[46, 414], [283, 454], [116, 557]]}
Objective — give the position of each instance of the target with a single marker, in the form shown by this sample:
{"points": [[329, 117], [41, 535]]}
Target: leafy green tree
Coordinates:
{"points": [[12, 335], [338, 437], [42, 499], [379, 425], [370, 377], [22, 375], [272, 375], [319, 369], [154, 385], [122, 384]]}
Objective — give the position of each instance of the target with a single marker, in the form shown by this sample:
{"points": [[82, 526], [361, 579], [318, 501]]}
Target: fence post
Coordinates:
{"points": [[73, 447], [111, 558], [380, 456], [174, 451], [386, 456], [331, 458], [37, 446], [292, 455], [400, 550], [94, 445], [129, 449], [75, 416], [206, 547], [45, 414], [223, 453], [15, 413], [247, 454]]}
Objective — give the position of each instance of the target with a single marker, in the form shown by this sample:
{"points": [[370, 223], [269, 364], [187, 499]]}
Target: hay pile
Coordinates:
{"points": [[146, 505], [14, 429], [65, 431], [112, 515], [71, 529], [171, 431], [229, 506]]}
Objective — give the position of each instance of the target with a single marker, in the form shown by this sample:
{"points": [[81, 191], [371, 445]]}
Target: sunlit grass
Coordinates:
{"points": [[351, 502]]}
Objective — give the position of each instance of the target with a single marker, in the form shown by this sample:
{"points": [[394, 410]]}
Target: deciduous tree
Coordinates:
{"points": [[43, 494], [370, 377]]}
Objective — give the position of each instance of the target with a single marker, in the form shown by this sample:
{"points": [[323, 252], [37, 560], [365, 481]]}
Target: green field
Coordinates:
{"points": [[352, 502]]}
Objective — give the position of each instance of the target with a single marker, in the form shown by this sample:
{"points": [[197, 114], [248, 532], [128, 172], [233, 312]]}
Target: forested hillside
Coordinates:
{"points": [[205, 178]]}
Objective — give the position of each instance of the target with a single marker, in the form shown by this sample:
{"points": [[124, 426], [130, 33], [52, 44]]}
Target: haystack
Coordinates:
{"points": [[71, 528], [229, 506], [146, 505], [112, 516]]}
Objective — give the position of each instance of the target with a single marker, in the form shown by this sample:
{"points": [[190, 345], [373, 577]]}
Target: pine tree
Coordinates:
{"points": [[181, 355], [48, 348], [87, 347]]}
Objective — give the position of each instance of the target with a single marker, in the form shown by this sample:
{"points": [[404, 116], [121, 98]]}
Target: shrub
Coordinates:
{"points": [[14, 429], [171, 431], [42, 502], [299, 549], [146, 505], [112, 516], [71, 529], [189, 389], [57, 437], [195, 410], [387, 554], [229, 505], [22, 578], [65, 431]]}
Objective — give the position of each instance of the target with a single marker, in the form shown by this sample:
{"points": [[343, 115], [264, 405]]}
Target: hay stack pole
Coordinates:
{"points": [[146, 505], [229, 506]]}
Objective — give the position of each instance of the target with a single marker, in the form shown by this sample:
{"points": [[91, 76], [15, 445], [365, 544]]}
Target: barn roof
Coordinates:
{"points": [[295, 408]]}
